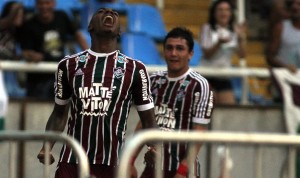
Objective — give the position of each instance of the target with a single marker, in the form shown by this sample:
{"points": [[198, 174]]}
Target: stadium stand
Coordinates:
{"points": [[144, 18], [141, 47], [196, 59]]}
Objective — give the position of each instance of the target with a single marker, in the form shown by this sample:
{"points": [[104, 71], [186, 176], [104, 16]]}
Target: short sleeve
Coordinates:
{"points": [[203, 103], [141, 88], [62, 87]]}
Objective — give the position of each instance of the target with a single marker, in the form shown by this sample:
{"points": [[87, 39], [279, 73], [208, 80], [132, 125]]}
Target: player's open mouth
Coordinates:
{"points": [[108, 20]]}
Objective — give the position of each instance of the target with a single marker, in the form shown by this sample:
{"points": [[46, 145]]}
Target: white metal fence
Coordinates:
{"points": [[14, 137], [212, 137], [241, 72]]}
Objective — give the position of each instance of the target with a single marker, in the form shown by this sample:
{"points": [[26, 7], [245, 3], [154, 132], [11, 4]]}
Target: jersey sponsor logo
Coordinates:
{"points": [[122, 59], [119, 72], [95, 100], [59, 83], [144, 85], [165, 117], [82, 58], [184, 82], [79, 72], [161, 81], [210, 104]]}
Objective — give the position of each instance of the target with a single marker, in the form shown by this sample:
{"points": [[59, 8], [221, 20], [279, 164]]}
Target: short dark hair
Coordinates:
{"points": [[212, 19], [181, 32]]}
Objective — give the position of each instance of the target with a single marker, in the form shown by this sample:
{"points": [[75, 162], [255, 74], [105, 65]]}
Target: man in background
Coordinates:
{"points": [[43, 38]]}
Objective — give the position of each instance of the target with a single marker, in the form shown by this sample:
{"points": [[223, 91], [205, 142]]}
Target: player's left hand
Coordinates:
{"points": [[150, 156]]}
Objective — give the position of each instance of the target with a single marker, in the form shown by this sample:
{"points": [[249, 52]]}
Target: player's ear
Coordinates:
{"points": [[191, 53]]}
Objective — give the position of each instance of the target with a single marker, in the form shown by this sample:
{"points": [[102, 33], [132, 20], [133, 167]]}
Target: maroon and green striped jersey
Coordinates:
{"points": [[179, 103], [101, 88]]}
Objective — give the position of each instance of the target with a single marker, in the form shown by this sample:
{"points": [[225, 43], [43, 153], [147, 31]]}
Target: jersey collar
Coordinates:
{"points": [[180, 77], [100, 54]]}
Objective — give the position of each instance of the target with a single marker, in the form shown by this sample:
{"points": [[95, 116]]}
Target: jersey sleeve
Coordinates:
{"points": [[62, 87], [141, 88], [203, 103]]}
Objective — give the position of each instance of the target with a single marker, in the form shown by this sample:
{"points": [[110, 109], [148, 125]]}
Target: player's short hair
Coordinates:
{"points": [[181, 32]]}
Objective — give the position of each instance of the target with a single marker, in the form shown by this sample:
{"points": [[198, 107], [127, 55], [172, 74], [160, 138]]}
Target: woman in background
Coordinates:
{"points": [[220, 38], [12, 16]]}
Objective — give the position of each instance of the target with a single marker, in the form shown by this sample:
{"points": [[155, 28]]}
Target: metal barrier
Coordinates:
{"points": [[243, 72], [209, 137], [18, 136]]}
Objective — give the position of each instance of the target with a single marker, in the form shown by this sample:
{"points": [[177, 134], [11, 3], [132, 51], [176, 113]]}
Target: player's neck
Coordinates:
{"points": [[175, 73], [104, 46]]}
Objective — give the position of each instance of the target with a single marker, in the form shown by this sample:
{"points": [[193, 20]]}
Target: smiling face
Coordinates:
{"points": [[104, 22], [177, 56], [45, 8], [223, 13]]}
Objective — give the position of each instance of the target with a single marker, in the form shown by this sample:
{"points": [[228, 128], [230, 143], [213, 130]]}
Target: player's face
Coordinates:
{"points": [[295, 9], [223, 13], [45, 7], [177, 56], [105, 21]]}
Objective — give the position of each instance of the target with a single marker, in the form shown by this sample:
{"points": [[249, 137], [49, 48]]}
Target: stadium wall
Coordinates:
{"points": [[33, 116]]}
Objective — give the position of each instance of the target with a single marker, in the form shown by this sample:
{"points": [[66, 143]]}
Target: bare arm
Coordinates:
{"points": [[56, 122], [209, 52], [197, 127], [241, 35], [147, 119], [81, 40]]}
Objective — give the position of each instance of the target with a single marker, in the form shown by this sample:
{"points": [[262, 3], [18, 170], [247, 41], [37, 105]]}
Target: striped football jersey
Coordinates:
{"points": [[180, 102], [101, 88]]}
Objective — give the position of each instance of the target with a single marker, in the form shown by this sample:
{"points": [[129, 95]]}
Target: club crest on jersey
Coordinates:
{"points": [[82, 58], [180, 95], [119, 72]]}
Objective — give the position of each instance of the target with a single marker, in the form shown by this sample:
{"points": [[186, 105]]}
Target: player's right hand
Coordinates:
{"points": [[41, 157], [150, 157]]}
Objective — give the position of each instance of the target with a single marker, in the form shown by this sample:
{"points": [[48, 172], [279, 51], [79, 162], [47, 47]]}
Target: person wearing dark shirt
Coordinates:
{"points": [[43, 39]]}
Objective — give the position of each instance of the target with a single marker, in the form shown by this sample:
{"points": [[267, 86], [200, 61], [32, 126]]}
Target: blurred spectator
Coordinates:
{"points": [[279, 11], [220, 38], [43, 39], [11, 18], [283, 48], [284, 45]]}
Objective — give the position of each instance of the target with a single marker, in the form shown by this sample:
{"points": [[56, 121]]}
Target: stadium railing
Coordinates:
{"points": [[14, 137], [152, 136], [243, 72]]}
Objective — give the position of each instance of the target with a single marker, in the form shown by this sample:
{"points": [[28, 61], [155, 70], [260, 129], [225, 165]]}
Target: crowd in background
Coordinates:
{"points": [[44, 34]]}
